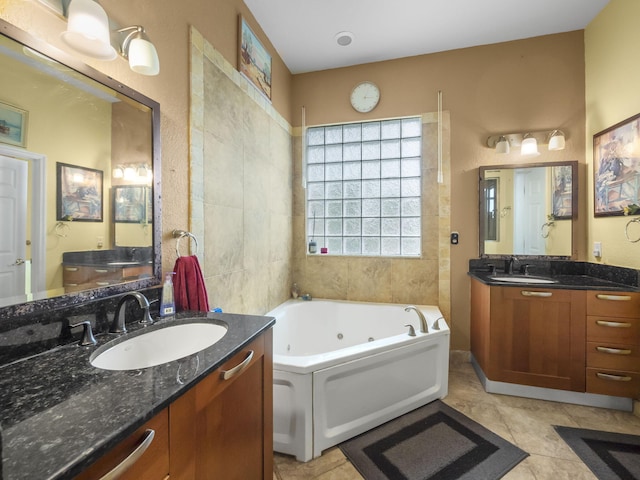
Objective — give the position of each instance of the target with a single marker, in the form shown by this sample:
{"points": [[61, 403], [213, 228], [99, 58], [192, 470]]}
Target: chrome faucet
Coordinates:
{"points": [[508, 265], [118, 325], [424, 328]]}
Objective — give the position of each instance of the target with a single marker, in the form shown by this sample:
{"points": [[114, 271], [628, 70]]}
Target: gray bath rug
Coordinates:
{"points": [[432, 442], [610, 456]]}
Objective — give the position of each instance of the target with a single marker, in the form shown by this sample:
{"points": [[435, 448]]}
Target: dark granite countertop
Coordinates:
{"points": [[567, 274], [58, 414], [572, 282]]}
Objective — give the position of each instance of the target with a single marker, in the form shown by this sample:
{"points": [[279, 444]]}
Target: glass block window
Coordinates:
{"points": [[364, 187]]}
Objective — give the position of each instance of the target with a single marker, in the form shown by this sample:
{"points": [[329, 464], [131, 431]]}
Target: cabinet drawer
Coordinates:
{"points": [[613, 304], [612, 356], [613, 329], [152, 464], [74, 275], [613, 382], [215, 383]]}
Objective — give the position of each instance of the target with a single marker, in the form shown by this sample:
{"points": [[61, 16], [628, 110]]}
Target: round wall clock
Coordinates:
{"points": [[365, 96]]}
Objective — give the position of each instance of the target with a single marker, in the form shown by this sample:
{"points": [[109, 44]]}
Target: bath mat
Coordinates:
{"points": [[610, 456], [432, 442]]}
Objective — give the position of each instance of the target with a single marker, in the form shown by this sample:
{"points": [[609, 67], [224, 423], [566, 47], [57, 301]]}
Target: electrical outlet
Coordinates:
{"points": [[455, 238], [597, 249], [100, 242]]}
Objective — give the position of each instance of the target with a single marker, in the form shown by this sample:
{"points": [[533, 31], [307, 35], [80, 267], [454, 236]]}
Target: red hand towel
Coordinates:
{"points": [[188, 285]]}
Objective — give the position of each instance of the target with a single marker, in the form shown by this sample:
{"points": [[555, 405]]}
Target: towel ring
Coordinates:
{"points": [[62, 229], [626, 230], [179, 234], [545, 232]]}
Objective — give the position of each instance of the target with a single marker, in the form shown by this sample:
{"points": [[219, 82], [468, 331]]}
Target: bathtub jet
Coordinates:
{"points": [[342, 368]]}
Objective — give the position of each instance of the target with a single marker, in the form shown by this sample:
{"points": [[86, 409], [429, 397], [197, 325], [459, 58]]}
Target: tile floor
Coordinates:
{"points": [[525, 422]]}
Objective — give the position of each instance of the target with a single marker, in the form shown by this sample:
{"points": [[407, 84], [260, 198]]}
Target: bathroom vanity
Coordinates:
{"points": [[81, 421], [579, 334]]}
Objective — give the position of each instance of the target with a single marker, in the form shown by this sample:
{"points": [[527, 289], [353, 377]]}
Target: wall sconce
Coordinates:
{"points": [[528, 142], [141, 53], [89, 33], [529, 146]]}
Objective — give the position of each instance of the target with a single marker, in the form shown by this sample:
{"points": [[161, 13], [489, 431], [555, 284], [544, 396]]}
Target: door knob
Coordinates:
{"points": [[19, 261]]}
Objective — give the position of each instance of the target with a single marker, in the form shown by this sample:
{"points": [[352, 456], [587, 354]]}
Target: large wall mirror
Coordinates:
{"points": [[528, 210], [79, 179]]}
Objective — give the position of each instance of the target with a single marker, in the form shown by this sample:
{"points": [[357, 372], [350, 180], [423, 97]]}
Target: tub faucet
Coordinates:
{"points": [[118, 325], [423, 321]]}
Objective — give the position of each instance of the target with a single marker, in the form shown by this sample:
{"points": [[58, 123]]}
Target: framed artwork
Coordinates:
{"points": [[79, 193], [562, 188], [131, 204], [616, 167], [13, 125], [254, 62]]}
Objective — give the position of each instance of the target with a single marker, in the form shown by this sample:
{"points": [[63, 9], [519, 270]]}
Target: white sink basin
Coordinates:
{"points": [[159, 346], [522, 279]]}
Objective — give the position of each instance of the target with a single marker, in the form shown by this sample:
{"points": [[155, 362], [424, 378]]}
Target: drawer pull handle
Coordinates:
{"points": [[132, 458], [528, 293], [70, 284], [615, 378], [608, 323], [103, 284], [615, 298], [227, 374], [71, 269], [614, 351], [101, 270]]}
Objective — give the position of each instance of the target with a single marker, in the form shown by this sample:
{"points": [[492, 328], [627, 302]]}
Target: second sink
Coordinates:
{"points": [[158, 346], [522, 279]]}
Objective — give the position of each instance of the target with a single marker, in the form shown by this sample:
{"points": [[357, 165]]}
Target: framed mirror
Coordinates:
{"points": [[528, 210], [79, 175]]}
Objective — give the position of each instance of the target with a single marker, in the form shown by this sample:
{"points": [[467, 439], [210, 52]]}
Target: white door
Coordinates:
{"points": [[530, 203], [13, 218]]}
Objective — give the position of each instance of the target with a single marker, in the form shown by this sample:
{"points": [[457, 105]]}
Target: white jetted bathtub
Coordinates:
{"points": [[341, 368]]}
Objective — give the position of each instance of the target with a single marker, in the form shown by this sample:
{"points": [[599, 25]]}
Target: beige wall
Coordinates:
{"points": [[612, 78], [533, 84]]}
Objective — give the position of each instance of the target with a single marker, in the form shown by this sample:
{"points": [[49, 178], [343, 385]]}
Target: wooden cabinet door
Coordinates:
{"points": [[230, 435], [538, 337]]}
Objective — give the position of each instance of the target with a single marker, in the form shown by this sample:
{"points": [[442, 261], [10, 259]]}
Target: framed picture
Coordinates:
{"points": [[562, 188], [131, 204], [616, 167], [254, 62], [13, 125], [79, 193]]}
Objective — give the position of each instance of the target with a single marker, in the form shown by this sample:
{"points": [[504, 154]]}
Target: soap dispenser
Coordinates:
{"points": [[167, 305]]}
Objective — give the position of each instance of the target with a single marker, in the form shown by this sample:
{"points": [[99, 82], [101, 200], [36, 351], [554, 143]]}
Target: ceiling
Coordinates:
{"points": [[303, 31]]}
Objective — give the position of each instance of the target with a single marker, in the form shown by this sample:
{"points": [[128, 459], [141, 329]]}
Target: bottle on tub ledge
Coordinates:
{"points": [[295, 291]]}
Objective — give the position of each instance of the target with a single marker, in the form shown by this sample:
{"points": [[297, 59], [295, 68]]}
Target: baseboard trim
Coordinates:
{"points": [[553, 395]]}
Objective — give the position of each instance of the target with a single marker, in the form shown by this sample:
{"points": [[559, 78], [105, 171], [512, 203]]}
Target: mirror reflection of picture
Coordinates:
{"points": [[13, 125], [79, 193], [562, 192], [131, 204]]}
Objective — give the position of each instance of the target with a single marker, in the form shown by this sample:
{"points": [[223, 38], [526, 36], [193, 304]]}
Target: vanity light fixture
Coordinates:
{"points": [[529, 145], [88, 30], [141, 53], [527, 142]]}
